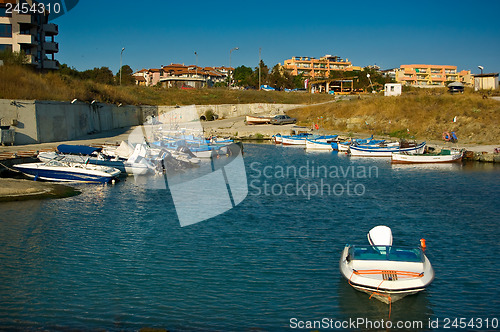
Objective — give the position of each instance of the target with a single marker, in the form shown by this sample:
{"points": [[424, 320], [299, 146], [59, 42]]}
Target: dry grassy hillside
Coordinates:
{"points": [[422, 114], [22, 83]]}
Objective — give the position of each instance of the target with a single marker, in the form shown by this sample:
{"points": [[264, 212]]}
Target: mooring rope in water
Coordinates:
{"points": [[10, 169]]}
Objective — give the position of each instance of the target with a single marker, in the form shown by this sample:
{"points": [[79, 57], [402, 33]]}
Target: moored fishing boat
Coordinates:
{"points": [[56, 170], [444, 156], [318, 145], [277, 138], [386, 272], [299, 139], [385, 151]]}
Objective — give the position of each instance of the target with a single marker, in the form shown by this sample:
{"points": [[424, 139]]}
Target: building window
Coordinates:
{"points": [[3, 12], [5, 47], [5, 30], [24, 29]]}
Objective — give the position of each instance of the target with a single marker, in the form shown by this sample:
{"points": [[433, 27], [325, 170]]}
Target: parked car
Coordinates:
{"points": [[282, 119]]}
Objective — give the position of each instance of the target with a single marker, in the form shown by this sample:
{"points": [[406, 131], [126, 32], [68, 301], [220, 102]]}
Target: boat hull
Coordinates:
{"points": [[384, 151], [318, 145], [124, 166], [85, 173], [402, 158], [387, 281], [254, 120], [293, 141]]}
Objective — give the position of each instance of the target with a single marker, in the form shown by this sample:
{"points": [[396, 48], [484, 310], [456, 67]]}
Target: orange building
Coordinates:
{"points": [[431, 75], [315, 68]]}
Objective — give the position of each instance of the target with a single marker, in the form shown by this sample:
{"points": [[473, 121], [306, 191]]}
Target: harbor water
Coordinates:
{"points": [[116, 258]]}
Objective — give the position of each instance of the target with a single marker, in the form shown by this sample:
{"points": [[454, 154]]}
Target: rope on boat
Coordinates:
{"points": [[404, 274]]}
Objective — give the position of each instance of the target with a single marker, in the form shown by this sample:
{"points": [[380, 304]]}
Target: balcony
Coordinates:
{"points": [[51, 29], [49, 64], [51, 47]]}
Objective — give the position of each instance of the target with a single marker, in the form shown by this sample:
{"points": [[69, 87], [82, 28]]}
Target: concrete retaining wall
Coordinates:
{"points": [[52, 121], [191, 113]]}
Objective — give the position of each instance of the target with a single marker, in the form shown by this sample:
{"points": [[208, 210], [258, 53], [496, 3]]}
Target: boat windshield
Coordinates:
{"points": [[390, 253]]}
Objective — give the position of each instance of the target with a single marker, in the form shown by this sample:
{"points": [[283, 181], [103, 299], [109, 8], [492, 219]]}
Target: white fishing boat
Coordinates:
{"points": [[444, 156], [387, 151], [56, 170], [253, 120], [277, 138], [386, 272], [344, 146], [318, 145], [292, 140]]}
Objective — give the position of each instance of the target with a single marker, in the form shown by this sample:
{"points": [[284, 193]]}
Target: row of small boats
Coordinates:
{"points": [[80, 163], [399, 152]]}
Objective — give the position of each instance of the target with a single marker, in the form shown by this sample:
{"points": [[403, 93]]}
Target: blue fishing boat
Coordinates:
{"points": [[385, 151]]}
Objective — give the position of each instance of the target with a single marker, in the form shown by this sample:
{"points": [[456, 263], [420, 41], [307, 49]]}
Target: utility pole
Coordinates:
{"points": [[229, 69], [121, 55], [195, 53], [260, 59]]}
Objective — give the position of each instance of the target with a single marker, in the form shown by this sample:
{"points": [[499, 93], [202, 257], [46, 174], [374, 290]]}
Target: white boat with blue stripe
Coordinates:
{"points": [[385, 151], [61, 171]]}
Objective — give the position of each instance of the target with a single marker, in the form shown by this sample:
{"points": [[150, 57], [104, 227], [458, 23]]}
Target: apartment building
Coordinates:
{"points": [[180, 75], [432, 75], [316, 68], [30, 32]]}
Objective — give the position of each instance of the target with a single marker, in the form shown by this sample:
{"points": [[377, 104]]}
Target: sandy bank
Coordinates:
{"points": [[17, 190]]}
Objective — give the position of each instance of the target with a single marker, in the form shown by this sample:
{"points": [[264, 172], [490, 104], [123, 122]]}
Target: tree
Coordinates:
{"points": [[64, 69], [127, 78], [264, 73], [100, 75], [13, 58], [242, 75], [280, 79], [298, 81]]}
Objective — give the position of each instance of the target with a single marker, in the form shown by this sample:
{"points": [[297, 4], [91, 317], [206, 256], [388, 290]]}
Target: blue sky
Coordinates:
{"points": [[386, 33]]}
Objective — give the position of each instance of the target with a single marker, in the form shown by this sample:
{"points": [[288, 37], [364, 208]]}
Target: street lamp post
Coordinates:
{"points": [[121, 55], [196, 53], [229, 69]]}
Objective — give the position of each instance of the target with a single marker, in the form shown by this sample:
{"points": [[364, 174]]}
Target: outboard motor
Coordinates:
{"points": [[380, 237]]}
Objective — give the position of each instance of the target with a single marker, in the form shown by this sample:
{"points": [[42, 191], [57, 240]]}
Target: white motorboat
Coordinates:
{"points": [[56, 170], [444, 156], [92, 155], [386, 272]]}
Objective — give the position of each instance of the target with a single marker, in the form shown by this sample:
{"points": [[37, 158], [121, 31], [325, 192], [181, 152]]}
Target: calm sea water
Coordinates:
{"points": [[115, 257]]}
